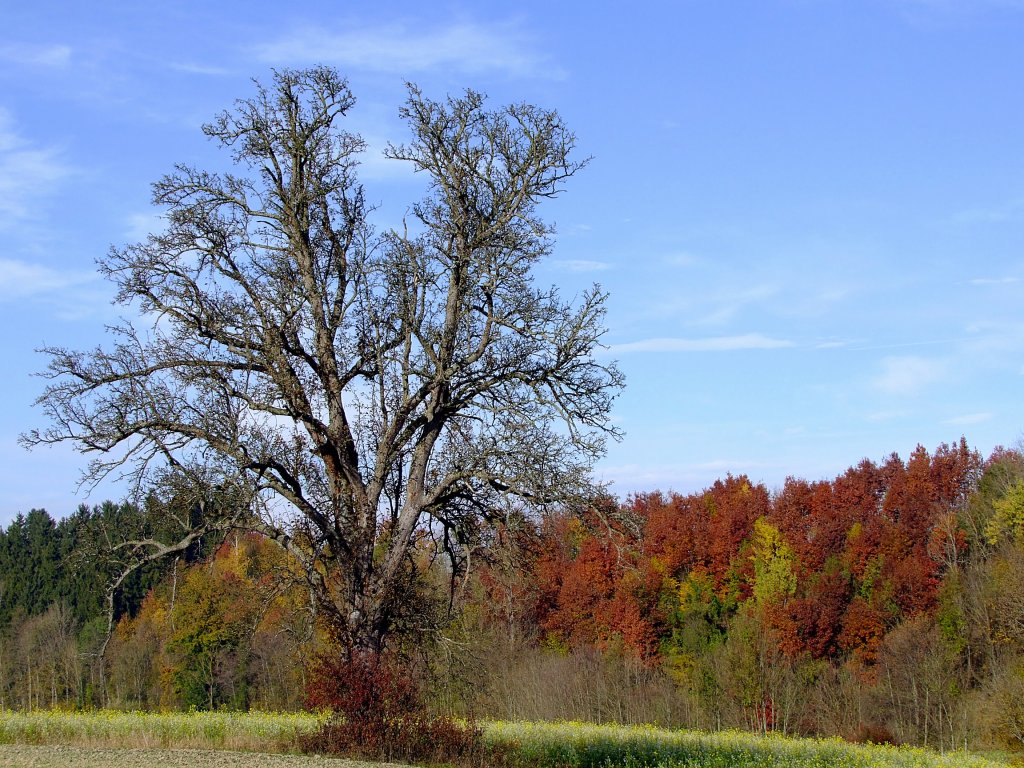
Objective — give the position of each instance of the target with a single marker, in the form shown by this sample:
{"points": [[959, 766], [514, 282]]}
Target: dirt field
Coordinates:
{"points": [[20, 756]]}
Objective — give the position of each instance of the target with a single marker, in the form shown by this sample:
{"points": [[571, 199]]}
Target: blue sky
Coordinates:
{"points": [[809, 213]]}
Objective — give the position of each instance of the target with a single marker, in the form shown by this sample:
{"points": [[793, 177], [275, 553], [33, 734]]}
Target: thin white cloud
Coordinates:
{"points": [[26, 173], [907, 344], [711, 344], [139, 226], [55, 56], [883, 416], [731, 303], [19, 279], [964, 5], [908, 375], [952, 11], [581, 265], [995, 280], [375, 166], [682, 477], [714, 306], [1011, 210], [681, 259], [575, 230], [201, 69], [968, 419], [406, 49], [833, 294]]}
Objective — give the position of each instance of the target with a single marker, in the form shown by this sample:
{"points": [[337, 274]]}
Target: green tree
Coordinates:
{"points": [[1008, 517], [30, 563], [774, 563], [214, 618], [1003, 471], [346, 389]]}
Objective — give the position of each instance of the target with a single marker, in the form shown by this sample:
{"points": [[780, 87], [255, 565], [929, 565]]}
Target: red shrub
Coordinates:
{"points": [[365, 687], [379, 715]]}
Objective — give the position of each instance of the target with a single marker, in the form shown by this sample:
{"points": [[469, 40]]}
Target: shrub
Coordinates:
{"points": [[378, 713], [365, 686]]}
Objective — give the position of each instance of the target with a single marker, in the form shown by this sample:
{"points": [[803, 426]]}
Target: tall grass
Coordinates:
{"points": [[583, 745], [243, 731], [536, 745]]}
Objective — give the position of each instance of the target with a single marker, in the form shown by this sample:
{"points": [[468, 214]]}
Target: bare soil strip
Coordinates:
{"points": [[24, 756]]}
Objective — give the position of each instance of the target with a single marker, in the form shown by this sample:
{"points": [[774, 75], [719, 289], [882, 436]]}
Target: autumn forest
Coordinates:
{"points": [[886, 604]]}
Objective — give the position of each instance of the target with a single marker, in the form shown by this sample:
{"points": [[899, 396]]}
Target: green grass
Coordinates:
{"points": [[256, 731], [547, 745], [582, 745]]}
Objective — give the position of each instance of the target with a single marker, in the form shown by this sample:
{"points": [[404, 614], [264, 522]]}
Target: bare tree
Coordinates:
{"points": [[354, 388]]}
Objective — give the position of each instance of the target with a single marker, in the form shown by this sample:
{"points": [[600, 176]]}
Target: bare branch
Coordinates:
{"points": [[352, 387]]}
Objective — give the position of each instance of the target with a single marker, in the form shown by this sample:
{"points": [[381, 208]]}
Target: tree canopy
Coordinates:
{"points": [[343, 390]]}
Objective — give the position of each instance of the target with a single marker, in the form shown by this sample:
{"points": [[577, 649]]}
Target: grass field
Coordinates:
{"points": [[589, 746], [109, 739], [236, 731]]}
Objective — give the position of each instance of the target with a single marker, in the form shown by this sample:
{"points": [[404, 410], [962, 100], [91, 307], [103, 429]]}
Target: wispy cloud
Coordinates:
{"points": [[581, 265], [885, 416], [719, 303], [968, 419], [1011, 210], [963, 5], [681, 477], [995, 280], [26, 172], [710, 344], [375, 166], [681, 259], [201, 69], [405, 49], [861, 346], [19, 279], [730, 303], [951, 11], [139, 226], [55, 56], [908, 375]]}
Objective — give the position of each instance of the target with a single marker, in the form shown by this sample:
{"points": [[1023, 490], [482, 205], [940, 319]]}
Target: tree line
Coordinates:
{"points": [[884, 604]]}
